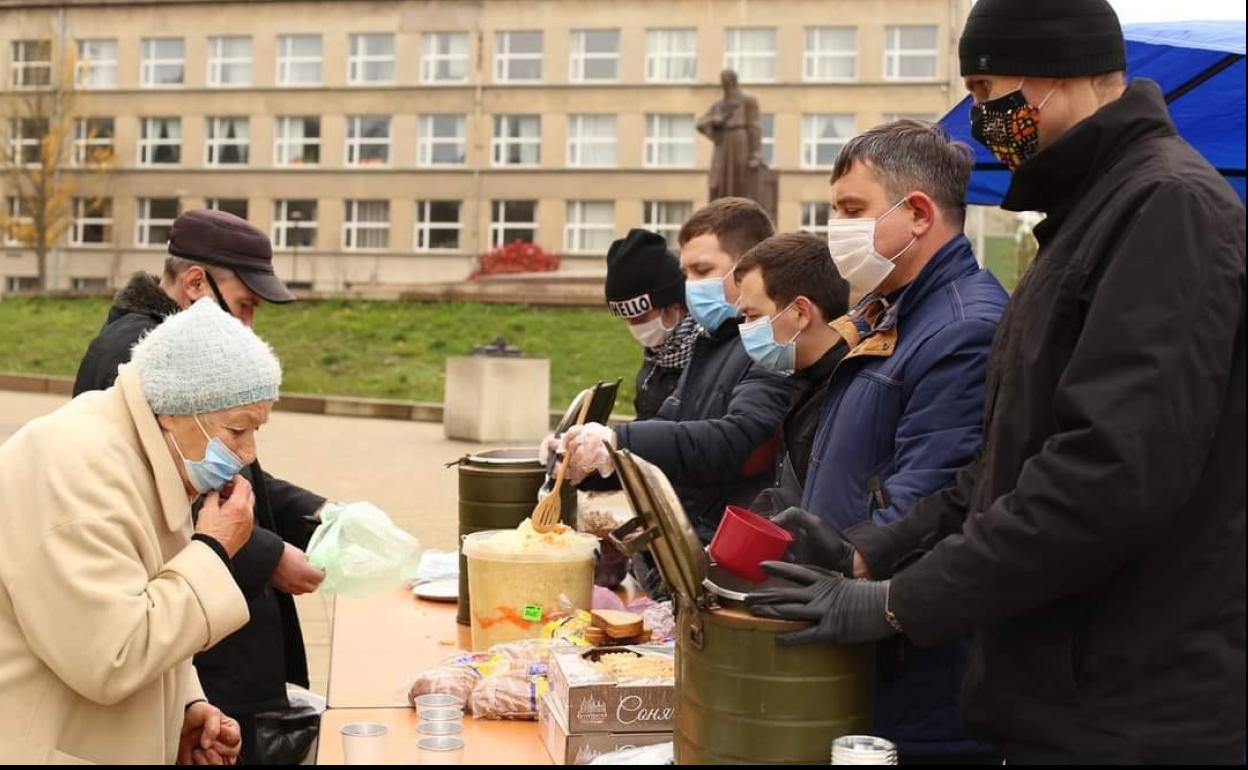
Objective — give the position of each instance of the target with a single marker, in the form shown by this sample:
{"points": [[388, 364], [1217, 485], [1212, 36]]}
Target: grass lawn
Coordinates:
{"points": [[354, 348]]}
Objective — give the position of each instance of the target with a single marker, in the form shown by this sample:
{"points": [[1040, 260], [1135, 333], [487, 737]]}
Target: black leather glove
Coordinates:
{"points": [[815, 542], [844, 610]]}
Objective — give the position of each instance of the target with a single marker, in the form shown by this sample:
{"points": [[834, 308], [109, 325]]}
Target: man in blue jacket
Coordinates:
{"points": [[904, 407]]}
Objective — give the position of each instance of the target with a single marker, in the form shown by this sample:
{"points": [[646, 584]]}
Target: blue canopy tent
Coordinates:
{"points": [[1200, 68]]}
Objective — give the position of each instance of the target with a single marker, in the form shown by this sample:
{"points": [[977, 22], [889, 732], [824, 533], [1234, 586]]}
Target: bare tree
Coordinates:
{"points": [[48, 154]]}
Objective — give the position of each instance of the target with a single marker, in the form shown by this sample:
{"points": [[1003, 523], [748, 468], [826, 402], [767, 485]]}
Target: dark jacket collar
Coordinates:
{"points": [[1057, 177], [823, 368], [952, 261], [142, 295]]}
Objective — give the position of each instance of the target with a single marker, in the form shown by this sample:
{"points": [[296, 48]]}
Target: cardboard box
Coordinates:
{"points": [[597, 703], [572, 749]]}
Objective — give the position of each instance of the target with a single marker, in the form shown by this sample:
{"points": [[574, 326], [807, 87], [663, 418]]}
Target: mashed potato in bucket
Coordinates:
{"points": [[520, 579]]}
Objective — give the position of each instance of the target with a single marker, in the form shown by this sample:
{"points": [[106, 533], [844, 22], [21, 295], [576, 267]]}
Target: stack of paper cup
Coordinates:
{"points": [[863, 750]]}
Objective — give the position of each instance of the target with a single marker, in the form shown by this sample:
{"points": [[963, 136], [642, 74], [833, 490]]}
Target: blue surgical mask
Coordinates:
{"points": [[218, 467], [759, 339], [707, 303]]}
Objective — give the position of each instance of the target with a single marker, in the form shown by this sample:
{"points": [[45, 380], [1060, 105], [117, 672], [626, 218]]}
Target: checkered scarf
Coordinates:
{"points": [[678, 349]]}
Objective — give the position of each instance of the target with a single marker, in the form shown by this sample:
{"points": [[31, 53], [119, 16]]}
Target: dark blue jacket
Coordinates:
{"points": [[903, 414]]}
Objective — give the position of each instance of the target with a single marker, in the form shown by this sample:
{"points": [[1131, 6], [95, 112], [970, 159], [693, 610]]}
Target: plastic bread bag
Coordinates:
{"points": [[361, 550]]}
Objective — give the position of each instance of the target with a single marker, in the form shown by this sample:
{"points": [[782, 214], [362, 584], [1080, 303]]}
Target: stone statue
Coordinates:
{"points": [[732, 123]]}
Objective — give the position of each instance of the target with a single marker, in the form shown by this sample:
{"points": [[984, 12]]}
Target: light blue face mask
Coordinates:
{"points": [[218, 467], [759, 338], [707, 303]]}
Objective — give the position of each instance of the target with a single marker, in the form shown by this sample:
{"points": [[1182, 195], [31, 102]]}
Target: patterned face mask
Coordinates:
{"points": [[1009, 126]]}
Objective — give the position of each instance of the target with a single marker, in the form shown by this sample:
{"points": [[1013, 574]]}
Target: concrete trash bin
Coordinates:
{"points": [[497, 398]]}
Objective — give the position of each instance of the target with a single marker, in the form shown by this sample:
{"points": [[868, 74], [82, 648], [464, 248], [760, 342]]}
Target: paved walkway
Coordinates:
{"points": [[399, 466]]}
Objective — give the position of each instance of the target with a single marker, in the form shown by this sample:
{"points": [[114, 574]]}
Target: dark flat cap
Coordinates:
{"points": [[224, 240]]}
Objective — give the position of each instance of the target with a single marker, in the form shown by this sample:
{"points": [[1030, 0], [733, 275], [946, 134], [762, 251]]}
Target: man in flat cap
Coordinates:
{"points": [[217, 255]]}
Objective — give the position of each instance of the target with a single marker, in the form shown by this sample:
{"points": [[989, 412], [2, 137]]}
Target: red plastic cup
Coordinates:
{"points": [[745, 540]]}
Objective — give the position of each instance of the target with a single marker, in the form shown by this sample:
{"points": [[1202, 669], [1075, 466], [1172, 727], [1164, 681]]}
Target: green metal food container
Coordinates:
{"points": [[498, 490], [740, 697]]}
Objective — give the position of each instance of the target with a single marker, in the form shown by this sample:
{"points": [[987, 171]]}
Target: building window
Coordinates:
{"points": [[443, 140], [815, 216], [20, 283], [89, 284], [831, 54], [366, 226], [922, 117], [437, 226], [517, 57], [669, 141], [298, 60], [19, 229], [298, 141], [371, 60], [910, 53], [517, 140], [595, 55], [93, 222], [666, 218], [767, 126], [164, 62], [229, 61], [445, 57], [93, 141], [32, 63], [294, 224], [591, 141], [823, 136], [229, 141], [155, 220], [236, 206], [160, 141], [512, 221], [368, 140], [96, 66], [671, 55], [590, 227], [26, 137], [751, 53]]}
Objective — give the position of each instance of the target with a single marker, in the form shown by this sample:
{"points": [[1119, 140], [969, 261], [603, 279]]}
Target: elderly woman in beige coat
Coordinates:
{"points": [[106, 587]]}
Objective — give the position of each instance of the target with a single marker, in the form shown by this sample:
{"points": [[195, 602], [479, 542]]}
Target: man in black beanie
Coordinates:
{"points": [[646, 288], [1097, 543]]}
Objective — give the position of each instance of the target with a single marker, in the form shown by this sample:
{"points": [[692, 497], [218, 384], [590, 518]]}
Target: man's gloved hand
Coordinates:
{"points": [[844, 610], [814, 542], [589, 447], [551, 445]]}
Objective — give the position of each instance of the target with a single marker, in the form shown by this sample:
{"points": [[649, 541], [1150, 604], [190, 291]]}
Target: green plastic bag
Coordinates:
{"points": [[361, 550]]}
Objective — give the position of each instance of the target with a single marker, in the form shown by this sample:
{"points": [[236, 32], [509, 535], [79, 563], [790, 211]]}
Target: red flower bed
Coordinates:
{"points": [[516, 257]]}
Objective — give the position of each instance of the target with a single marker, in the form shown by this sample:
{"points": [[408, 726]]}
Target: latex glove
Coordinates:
{"points": [[814, 542], [844, 610], [551, 445], [589, 447]]}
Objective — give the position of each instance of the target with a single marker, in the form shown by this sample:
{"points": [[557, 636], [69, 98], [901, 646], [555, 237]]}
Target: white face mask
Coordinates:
{"points": [[852, 244], [652, 333]]}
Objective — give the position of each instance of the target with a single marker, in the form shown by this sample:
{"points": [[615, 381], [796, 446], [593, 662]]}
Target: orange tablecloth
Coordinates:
{"points": [[381, 642]]}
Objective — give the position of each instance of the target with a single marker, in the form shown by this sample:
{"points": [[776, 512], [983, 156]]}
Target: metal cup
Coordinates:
{"points": [[364, 743], [441, 750]]}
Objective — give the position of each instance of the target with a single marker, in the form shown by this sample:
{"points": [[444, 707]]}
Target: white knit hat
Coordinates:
{"points": [[205, 360]]}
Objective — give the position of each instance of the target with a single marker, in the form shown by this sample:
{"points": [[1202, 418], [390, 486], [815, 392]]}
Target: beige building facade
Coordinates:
{"points": [[388, 142]]}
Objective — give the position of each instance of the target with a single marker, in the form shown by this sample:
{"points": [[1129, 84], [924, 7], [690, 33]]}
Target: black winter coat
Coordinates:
{"points": [[797, 436], [247, 672], [1097, 543]]}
